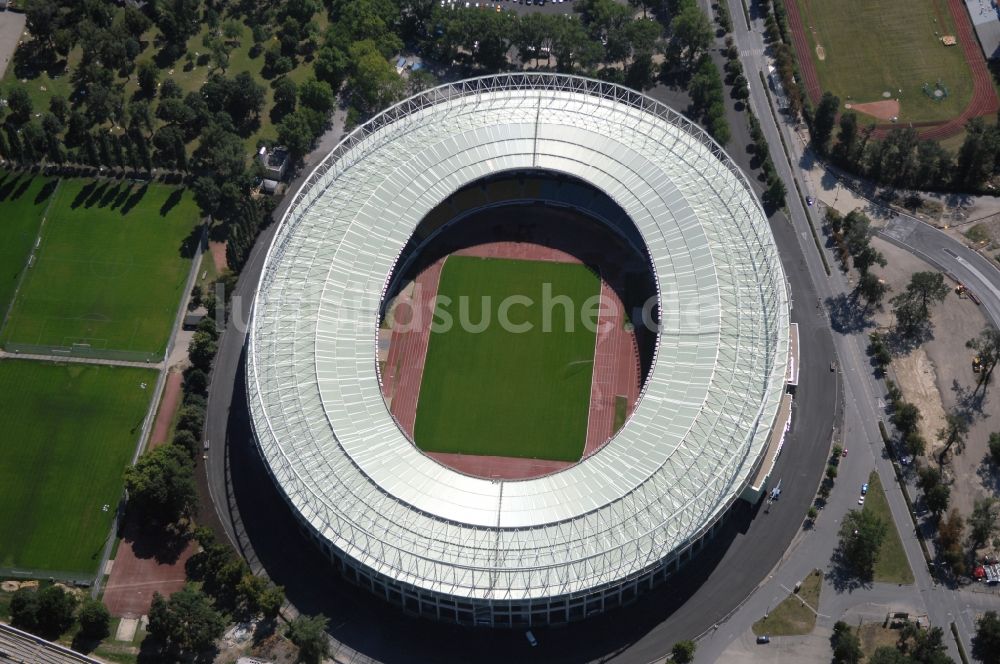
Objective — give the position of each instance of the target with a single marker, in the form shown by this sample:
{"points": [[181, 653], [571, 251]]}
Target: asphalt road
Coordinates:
{"points": [[863, 400]]}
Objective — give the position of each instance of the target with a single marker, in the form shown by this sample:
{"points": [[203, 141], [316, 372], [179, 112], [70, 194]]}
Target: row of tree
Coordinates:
{"points": [[900, 157], [51, 611]]}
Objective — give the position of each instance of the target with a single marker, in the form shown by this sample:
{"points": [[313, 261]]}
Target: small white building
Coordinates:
{"points": [[275, 162]]}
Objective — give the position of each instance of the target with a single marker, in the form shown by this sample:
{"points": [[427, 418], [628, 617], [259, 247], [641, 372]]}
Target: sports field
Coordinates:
{"points": [[68, 433], [23, 200], [864, 48], [499, 392], [110, 268]]}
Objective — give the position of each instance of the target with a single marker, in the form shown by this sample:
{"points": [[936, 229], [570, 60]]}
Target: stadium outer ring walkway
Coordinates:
{"points": [[557, 548]]}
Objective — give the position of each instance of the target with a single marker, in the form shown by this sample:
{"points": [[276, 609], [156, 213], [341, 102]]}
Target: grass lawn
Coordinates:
{"points": [[873, 46], [891, 565], [23, 200], [791, 617], [498, 392], [110, 269], [873, 636], [69, 432]]}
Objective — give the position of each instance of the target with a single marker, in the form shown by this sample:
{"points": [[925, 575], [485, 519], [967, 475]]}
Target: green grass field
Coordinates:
{"points": [[110, 269], [792, 616], [499, 392], [891, 565], [69, 432], [874, 46], [23, 200]]}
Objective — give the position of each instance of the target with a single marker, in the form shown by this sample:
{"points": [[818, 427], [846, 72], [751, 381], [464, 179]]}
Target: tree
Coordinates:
{"points": [[195, 381], [316, 95], [986, 642], [861, 536], [94, 620], [683, 652], [872, 290], [161, 484], [691, 33], [24, 609], [982, 521], [978, 154], [994, 447], [308, 633], [148, 75], [846, 644], [823, 121], [987, 348], [912, 307], [202, 350], [949, 534], [295, 133], [42, 19], [888, 655], [47, 612], [774, 195], [20, 105], [285, 97], [186, 623], [374, 83], [936, 493], [927, 288], [187, 440], [953, 433]]}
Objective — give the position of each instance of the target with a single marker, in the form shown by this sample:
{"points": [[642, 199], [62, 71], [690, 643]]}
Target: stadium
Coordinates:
{"points": [[593, 492]]}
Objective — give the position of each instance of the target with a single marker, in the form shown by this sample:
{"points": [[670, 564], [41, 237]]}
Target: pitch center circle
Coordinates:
{"points": [[518, 326]]}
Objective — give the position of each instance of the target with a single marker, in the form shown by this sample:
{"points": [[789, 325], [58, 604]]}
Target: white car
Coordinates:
{"points": [[861, 500]]}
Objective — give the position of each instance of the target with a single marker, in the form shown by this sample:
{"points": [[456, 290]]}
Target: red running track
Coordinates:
{"points": [[984, 99], [616, 364]]}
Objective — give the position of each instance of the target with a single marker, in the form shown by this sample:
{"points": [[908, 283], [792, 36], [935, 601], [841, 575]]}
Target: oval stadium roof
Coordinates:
{"points": [[697, 434]]}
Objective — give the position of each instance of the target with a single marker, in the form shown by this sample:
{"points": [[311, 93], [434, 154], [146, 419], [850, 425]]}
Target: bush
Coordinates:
{"points": [[187, 440], [994, 446], [94, 620]]}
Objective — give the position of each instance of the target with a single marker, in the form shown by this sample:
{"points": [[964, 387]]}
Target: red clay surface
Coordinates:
{"points": [[135, 577], [168, 406], [882, 110], [145, 564], [984, 99], [218, 250], [616, 363]]}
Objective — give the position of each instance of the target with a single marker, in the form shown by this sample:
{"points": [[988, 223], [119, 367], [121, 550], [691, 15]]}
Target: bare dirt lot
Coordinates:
{"points": [[938, 377]]}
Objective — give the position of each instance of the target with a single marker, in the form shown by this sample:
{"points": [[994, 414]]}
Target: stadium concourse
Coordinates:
{"points": [[704, 430]]}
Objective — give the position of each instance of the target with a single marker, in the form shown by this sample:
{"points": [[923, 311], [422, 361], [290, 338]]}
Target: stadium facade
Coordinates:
{"points": [[593, 536]]}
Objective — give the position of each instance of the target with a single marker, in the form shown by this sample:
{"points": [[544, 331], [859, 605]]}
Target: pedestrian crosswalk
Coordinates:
{"points": [[751, 52]]}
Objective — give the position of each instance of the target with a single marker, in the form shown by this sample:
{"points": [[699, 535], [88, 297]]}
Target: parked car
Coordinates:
{"points": [[531, 638], [864, 489], [763, 638]]}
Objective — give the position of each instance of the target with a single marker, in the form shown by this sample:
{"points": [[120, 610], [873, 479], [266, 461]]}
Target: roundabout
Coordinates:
{"points": [[552, 549]]}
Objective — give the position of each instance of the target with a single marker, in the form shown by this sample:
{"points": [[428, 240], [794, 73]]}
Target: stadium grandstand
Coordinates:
{"points": [[703, 433]]}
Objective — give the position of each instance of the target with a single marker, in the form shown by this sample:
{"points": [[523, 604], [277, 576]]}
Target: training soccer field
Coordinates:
{"points": [[110, 270], [869, 47], [499, 392], [23, 200], [69, 431]]}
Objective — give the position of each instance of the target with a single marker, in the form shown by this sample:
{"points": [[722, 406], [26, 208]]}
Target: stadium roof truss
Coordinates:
{"points": [[697, 434]]}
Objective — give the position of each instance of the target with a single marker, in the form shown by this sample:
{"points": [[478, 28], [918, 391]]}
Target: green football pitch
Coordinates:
{"points": [[69, 432], [869, 47], [23, 200], [503, 392], [111, 267]]}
